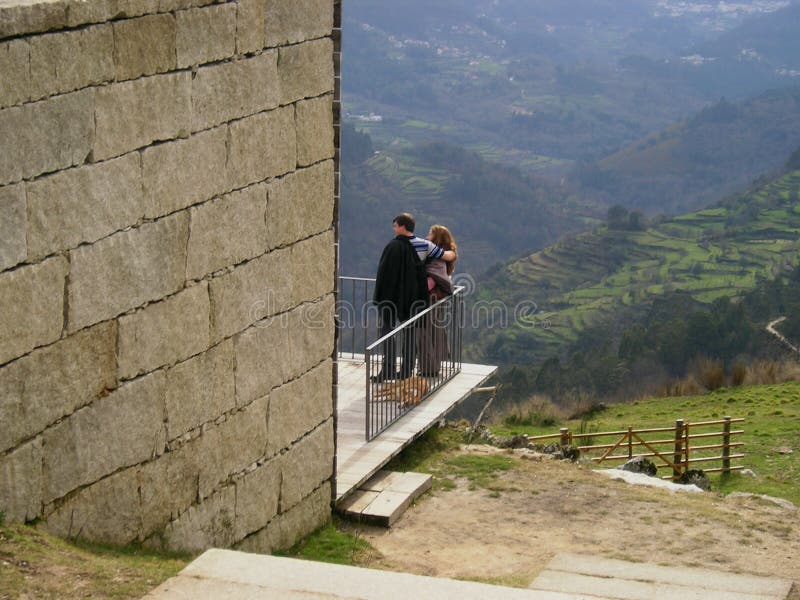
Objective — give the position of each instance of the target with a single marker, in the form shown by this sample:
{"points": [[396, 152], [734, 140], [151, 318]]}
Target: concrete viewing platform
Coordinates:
{"points": [[356, 459], [225, 574]]}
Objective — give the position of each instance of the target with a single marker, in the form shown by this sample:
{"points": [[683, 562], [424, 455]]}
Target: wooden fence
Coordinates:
{"points": [[683, 450]]}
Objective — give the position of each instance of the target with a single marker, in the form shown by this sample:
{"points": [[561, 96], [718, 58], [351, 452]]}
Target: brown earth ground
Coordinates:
{"points": [[507, 531]]}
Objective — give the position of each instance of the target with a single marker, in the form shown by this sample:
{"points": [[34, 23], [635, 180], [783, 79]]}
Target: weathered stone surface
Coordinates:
{"points": [[262, 146], [50, 383], [299, 406], [250, 26], [137, 113], [285, 529], [21, 482], [126, 270], [144, 46], [13, 246], [227, 231], [18, 18], [173, 5], [107, 511], [83, 205], [232, 90], [44, 15], [258, 289], [67, 61], [164, 333], [300, 205], [15, 85], [200, 389], [305, 70], [205, 525], [46, 136], [81, 12], [184, 172], [121, 429], [228, 448], [206, 34], [262, 359], [12, 131], [257, 498], [167, 487], [291, 21], [306, 465], [315, 259], [314, 130], [311, 331], [33, 307]]}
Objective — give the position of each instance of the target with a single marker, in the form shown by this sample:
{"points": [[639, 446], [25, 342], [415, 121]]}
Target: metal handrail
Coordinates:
{"points": [[456, 290], [386, 402]]}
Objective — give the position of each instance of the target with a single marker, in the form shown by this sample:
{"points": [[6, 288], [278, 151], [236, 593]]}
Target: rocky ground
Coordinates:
{"points": [[506, 531]]}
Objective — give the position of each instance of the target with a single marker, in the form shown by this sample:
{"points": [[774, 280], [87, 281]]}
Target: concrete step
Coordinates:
{"points": [[230, 575], [623, 580], [384, 497]]}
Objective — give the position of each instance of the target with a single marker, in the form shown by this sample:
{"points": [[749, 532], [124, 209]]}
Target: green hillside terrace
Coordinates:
{"points": [[608, 273]]}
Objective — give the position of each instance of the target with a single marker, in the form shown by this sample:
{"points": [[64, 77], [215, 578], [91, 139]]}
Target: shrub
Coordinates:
{"points": [[687, 386], [771, 371], [710, 372], [738, 374], [536, 411]]}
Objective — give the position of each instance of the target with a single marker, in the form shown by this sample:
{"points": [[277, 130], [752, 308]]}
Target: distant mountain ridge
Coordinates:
{"points": [[713, 153]]}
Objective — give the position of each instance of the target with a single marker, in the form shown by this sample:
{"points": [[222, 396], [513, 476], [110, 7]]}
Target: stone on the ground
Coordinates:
{"points": [[696, 477], [640, 464]]}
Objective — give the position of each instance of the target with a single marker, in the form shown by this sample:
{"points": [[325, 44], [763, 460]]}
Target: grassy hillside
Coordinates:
{"points": [[607, 274], [772, 444]]}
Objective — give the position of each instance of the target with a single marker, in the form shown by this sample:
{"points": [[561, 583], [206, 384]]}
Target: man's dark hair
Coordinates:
{"points": [[406, 220]]}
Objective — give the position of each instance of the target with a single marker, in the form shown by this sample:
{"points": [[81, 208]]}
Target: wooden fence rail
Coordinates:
{"points": [[679, 456]]}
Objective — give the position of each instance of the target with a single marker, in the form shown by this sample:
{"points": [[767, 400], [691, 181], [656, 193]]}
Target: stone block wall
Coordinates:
{"points": [[167, 259]]}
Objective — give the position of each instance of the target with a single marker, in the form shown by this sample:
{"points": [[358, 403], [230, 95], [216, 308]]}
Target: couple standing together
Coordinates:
{"points": [[412, 273]]}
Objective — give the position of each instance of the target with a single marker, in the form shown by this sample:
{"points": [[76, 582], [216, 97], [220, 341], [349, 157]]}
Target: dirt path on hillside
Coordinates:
{"points": [[508, 534]]}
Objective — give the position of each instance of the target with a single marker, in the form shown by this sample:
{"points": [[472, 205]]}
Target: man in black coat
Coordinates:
{"points": [[401, 292]]}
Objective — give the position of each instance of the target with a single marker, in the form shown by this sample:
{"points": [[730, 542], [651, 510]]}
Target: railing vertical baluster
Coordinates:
{"points": [[367, 387], [353, 328], [364, 317]]}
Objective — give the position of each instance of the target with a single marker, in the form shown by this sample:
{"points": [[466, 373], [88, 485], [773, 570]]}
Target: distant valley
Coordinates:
{"points": [[622, 166]]}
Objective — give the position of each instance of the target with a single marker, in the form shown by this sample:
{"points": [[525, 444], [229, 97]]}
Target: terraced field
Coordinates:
{"points": [[417, 182], [585, 278]]}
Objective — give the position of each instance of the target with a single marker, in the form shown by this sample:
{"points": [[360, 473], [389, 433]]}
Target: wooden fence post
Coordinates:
{"points": [[630, 442], [564, 436], [726, 448], [686, 448], [677, 459]]}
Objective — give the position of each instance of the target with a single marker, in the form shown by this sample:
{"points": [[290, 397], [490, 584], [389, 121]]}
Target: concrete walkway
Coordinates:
{"points": [[618, 579], [225, 574]]}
